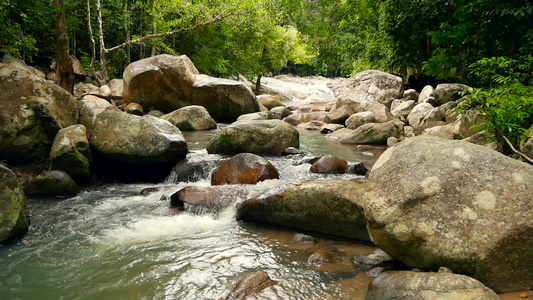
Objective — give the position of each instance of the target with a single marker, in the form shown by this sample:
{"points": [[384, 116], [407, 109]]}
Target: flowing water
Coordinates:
{"points": [[109, 242]]}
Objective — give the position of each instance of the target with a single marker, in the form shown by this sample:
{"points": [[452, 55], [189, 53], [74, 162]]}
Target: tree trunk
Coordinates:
{"points": [[93, 44], [65, 76], [127, 27], [103, 60], [258, 84]]}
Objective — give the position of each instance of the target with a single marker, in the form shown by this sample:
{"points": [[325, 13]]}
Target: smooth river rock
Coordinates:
{"points": [[427, 286], [70, 153], [244, 168], [52, 183], [191, 118], [434, 202], [332, 207], [374, 133], [166, 82], [14, 217], [258, 137]]}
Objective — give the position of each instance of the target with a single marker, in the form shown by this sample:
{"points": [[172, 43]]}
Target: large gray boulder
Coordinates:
{"points": [[374, 133], [427, 286], [446, 92], [359, 119], [166, 83], [360, 102], [191, 118], [380, 85], [258, 137], [434, 202], [131, 141], [332, 207], [70, 153], [32, 110], [14, 218]]}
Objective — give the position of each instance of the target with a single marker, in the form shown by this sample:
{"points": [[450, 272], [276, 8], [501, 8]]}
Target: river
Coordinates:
{"points": [[110, 242]]}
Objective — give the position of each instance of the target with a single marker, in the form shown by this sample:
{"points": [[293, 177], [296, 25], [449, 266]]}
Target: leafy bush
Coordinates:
{"points": [[507, 104]]}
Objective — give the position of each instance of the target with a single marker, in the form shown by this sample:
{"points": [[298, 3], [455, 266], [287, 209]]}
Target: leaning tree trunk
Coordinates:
{"points": [[258, 84], [103, 59], [65, 76]]}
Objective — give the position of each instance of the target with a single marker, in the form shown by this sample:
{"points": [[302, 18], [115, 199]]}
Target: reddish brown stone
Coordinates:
{"points": [[329, 165], [244, 168]]}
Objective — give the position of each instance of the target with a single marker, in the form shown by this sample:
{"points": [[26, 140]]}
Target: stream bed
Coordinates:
{"points": [[110, 242]]}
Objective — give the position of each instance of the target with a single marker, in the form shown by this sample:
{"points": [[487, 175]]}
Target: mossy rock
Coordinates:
{"points": [[14, 219]]}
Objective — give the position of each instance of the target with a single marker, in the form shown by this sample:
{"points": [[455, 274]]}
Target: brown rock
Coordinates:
{"points": [[206, 198], [134, 109], [251, 284], [244, 168], [329, 165], [270, 101]]}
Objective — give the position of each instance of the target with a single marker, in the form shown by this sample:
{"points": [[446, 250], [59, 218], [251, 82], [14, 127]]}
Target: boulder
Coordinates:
{"points": [[32, 110], [90, 106], [20, 64], [70, 153], [374, 133], [446, 92], [329, 165], [441, 131], [375, 259], [81, 88], [134, 109], [206, 199], [105, 92], [329, 128], [178, 84], [462, 127], [482, 139], [311, 125], [332, 207], [357, 168], [263, 115], [357, 103], [299, 118], [124, 142], [259, 137], [339, 134], [411, 94], [244, 168], [14, 217], [156, 113], [358, 119], [427, 286], [191, 118], [426, 92], [382, 86], [270, 101], [402, 110], [279, 113], [250, 285], [117, 87], [338, 116], [76, 65], [467, 208], [52, 183], [418, 114]]}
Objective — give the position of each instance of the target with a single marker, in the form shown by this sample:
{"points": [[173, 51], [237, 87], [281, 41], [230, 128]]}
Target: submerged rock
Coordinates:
{"points": [[14, 218], [468, 208], [70, 153], [52, 183], [259, 137], [32, 111], [165, 82], [207, 198], [332, 207], [244, 168], [191, 118], [250, 285], [427, 286]]}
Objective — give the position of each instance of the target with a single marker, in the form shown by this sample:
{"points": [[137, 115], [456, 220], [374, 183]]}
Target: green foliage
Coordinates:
{"points": [[507, 107]]}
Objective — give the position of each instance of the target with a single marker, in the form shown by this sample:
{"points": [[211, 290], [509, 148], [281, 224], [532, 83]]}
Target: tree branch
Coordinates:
{"points": [[516, 151], [165, 34]]}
